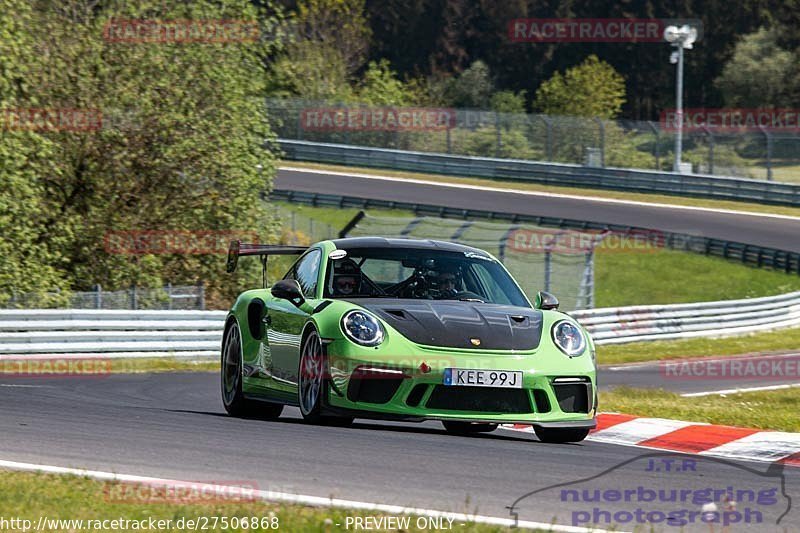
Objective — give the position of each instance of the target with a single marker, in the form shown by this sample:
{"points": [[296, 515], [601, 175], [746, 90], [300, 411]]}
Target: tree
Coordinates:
{"points": [[472, 88], [380, 86], [508, 102], [760, 73], [183, 136], [591, 89], [340, 25], [29, 260], [327, 43]]}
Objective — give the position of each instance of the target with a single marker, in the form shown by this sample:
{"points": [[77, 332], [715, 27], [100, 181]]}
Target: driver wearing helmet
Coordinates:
{"points": [[346, 278], [448, 283]]}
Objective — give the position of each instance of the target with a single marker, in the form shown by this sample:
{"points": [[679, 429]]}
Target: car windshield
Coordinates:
{"points": [[420, 273]]}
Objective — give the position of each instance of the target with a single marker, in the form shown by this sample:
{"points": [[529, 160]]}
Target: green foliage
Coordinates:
{"points": [[340, 25], [28, 262], [760, 73], [312, 71], [380, 86], [473, 88], [508, 102], [591, 89], [327, 45], [183, 134]]}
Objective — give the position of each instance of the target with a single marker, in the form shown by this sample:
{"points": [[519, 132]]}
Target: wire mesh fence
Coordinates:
{"points": [[537, 257], [760, 154], [183, 297], [301, 229]]}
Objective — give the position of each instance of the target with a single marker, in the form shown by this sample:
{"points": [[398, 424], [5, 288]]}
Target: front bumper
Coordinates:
{"points": [[556, 391]]}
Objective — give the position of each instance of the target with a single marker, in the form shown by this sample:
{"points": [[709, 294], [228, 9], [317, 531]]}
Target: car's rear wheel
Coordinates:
{"points": [[560, 435], [468, 428], [312, 385], [231, 381]]}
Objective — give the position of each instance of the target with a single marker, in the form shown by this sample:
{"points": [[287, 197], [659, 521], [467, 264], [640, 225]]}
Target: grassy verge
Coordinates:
{"points": [[777, 410], [764, 342], [99, 366], [30, 496], [662, 276], [590, 193]]}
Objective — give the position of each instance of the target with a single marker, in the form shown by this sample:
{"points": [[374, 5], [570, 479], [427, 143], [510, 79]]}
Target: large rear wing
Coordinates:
{"points": [[238, 249]]}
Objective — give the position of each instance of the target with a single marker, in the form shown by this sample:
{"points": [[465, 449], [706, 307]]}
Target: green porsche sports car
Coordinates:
{"points": [[404, 329]]}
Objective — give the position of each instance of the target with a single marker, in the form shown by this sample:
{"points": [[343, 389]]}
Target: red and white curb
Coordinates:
{"points": [[692, 437]]}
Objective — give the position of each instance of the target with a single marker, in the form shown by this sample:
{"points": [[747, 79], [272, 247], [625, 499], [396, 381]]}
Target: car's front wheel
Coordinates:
{"points": [[560, 435], [311, 383], [231, 381], [468, 428]]}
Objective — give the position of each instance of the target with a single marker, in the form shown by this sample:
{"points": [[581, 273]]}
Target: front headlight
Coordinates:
{"points": [[362, 328], [569, 338]]}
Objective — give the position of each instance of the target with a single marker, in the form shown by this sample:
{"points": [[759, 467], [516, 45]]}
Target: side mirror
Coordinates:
{"points": [[545, 300], [288, 289]]}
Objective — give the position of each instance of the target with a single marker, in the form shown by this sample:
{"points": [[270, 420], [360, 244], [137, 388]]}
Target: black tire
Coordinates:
{"points": [[312, 384], [468, 428], [560, 435], [231, 381]]}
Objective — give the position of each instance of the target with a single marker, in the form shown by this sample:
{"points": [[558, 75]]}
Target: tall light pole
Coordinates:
{"points": [[681, 38]]}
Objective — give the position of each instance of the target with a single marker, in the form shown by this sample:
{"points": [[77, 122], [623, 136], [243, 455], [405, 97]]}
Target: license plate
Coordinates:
{"points": [[462, 377]]}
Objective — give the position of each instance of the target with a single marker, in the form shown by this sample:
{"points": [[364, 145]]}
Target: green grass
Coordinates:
{"points": [[336, 217], [788, 172], [31, 495], [100, 366], [662, 276], [776, 410], [590, 193], [764, 342]]}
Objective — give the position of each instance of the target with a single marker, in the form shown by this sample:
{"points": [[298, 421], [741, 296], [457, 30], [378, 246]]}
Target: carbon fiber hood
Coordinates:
{"points": [[455, 324]]}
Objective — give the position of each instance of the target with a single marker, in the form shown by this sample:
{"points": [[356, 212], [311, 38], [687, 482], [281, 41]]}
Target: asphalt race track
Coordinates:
{"points": [[780, 233], [707, 374], [173, 426]]}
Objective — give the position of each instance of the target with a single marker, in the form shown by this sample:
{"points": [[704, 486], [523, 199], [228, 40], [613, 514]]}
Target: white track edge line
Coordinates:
{"points": [[286, 497], [544, 194], [737, 391]]}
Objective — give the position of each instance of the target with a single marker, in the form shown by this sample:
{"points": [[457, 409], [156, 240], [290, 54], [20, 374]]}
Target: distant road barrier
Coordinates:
{"points": [[570, 175], [617, 325], [73, 333], [110, 333]]}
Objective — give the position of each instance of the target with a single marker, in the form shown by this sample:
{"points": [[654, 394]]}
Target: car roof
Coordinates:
{"points": [[352, 243]]}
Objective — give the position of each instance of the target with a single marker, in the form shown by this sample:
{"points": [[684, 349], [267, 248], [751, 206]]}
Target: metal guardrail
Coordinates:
{"points": [[617, 325], [748, 254], [114, 334], [110, 333], [618, 179]]}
